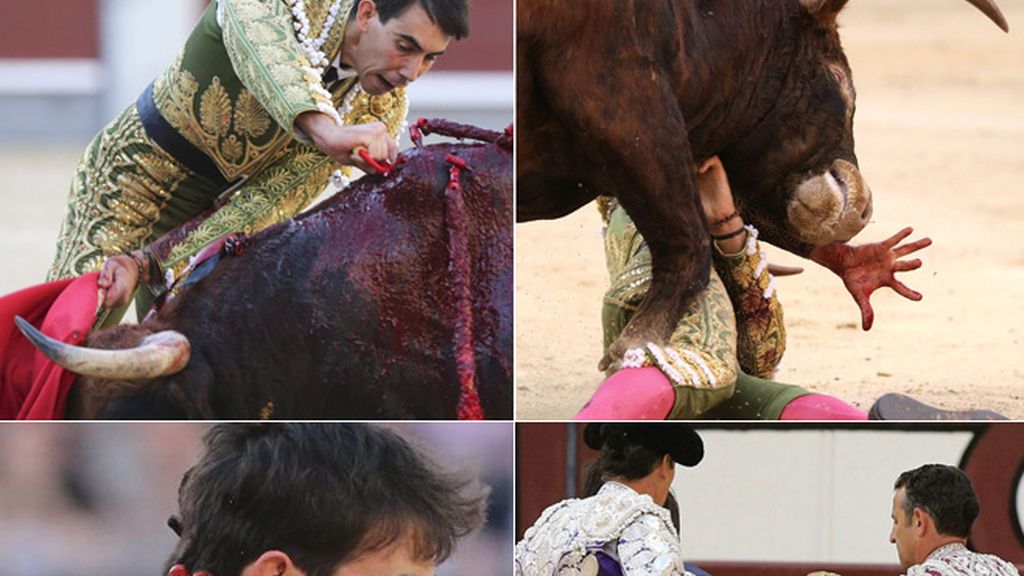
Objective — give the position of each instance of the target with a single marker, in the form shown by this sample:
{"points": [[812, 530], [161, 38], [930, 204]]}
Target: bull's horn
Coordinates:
{"points": [[158, 354], [989, 8]]}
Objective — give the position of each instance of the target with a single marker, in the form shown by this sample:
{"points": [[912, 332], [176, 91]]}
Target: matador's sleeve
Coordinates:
{"points": [[648, 547], [269, 197], [260, 39], [278, 192], [761, 334]]}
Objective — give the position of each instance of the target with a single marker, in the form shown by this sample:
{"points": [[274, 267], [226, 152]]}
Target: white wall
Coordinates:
{"points": [[480, 98], [139, 38], [62, 99], [801, 496]]}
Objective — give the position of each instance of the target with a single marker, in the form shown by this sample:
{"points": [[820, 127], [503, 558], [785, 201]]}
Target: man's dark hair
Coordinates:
{"points": [[631, 450], [672, 505], [621, 457], [321, 493], [452, 16], [945, 493], [630, 461]]}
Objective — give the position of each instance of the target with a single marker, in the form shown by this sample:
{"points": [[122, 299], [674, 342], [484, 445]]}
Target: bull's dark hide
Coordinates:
{"points": [[347, 311]]}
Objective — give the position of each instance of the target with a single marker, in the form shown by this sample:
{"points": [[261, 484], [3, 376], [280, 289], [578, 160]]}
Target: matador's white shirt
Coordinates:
{"points": [[956, 560], [617, 521]]}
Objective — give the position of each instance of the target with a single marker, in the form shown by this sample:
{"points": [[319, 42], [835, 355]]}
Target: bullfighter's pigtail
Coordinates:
{"points": [[179, 569], [175, 524]]}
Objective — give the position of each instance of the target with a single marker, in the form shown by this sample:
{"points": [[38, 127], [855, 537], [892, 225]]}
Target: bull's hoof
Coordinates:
{"points": [[893, 406]]}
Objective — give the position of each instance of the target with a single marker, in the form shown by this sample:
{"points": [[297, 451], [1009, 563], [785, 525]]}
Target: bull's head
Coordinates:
{"points": [[121, 383], [799, 163]]}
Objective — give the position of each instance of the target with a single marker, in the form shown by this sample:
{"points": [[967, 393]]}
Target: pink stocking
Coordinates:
{"points": [[631, 394], [821, 407]]}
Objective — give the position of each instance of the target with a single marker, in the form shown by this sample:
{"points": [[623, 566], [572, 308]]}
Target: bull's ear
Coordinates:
{"points": [[824, 9]]}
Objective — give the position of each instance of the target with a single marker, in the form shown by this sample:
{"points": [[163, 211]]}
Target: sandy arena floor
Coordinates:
{"points": [[940, 138]]}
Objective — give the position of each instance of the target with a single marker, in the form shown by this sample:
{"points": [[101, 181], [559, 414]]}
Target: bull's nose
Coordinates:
{"points": [[832, 206], [839, 182]]}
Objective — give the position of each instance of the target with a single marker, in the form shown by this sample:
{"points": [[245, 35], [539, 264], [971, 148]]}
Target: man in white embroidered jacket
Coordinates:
{"points": [[625, 528], [933, 510]]}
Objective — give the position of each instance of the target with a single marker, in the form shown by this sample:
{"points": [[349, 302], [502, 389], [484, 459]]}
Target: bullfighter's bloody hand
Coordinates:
{"points": [[117, 280], [866, 267]]}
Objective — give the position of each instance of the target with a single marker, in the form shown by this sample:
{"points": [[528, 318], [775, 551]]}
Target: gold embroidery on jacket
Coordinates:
{"points": [[251, 120], [120, 187], [231, 134], [271, 62], [761, 329], [274, 195]]}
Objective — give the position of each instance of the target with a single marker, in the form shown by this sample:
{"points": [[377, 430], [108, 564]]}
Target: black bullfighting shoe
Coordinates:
{"points": [[893, 406]]}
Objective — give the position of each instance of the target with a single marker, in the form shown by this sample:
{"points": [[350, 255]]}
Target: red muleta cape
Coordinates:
{"points": [[31, 386]]}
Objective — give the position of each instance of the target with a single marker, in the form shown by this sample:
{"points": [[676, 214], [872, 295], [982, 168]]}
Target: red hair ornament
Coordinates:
{"points": [[180, 570]]}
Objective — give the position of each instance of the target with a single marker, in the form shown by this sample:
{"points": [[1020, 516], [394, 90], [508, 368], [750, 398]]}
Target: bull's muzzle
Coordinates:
{"points": [[157, 355], [830, 207]]}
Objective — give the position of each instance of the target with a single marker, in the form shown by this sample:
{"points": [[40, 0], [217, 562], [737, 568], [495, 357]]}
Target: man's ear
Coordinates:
{"points": [[272, 563], [919, 521], [364, 13], [667, 463]]}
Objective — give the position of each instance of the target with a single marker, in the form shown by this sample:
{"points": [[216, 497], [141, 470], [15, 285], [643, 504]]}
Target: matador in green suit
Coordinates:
{"points": [[268, 103]]}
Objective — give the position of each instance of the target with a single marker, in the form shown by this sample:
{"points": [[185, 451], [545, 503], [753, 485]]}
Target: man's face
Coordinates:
{"points": [[395, 560], [904, 534], [395, 53]]}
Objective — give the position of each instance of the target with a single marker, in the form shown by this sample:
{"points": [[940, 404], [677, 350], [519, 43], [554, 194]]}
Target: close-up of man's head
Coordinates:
{"points": [[945, 493], [933, 504], [396, 41], [319, 500]]}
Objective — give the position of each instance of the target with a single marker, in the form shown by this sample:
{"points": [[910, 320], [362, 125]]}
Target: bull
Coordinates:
{"points": [[392, 299], [626, 97]]}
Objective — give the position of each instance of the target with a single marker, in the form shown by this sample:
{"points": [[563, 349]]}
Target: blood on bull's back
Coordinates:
{"points": [[392, 299], [350, 310]]}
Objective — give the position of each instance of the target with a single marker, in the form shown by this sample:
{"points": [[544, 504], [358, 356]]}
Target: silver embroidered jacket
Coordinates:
{"points": [[956, 560], [627, 526]]}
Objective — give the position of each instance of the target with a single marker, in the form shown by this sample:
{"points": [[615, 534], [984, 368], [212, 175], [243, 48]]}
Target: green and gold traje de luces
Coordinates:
{"points": [[233, 93]]}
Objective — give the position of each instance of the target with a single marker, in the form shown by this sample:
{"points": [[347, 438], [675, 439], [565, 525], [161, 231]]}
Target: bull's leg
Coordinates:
{"points": [[680, 263], [547, 182], [636, 143]]}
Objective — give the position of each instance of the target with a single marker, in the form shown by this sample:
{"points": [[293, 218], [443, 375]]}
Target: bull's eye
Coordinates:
{"points": [[845, 89], [839, 75]]}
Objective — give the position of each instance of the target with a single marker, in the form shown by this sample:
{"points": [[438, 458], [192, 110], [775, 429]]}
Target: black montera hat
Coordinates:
{"points": [[678, 440]]}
